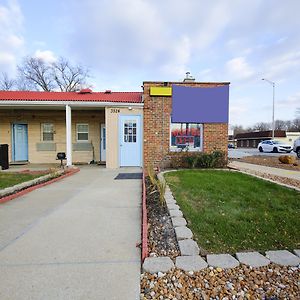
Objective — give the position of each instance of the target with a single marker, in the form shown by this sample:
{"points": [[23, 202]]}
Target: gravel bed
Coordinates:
{"points": [[270, 283], [161, 235], [280, 179], [269, 161]]}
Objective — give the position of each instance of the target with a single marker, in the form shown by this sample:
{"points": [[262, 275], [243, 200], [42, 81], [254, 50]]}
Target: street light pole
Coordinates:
{"points": [[273, 120]]}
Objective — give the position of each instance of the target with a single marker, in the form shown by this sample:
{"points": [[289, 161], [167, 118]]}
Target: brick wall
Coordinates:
{"points": [[157, 117]]}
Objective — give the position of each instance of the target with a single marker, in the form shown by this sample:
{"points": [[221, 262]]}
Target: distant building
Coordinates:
{"points": [[252, 139]]}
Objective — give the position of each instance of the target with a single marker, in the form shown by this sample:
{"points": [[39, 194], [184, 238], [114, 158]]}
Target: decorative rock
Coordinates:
{"points": [[188, 247], [283, 257], [224, 261], [172, 206], [178, 221], [157, 264], [170, 201], [183, 233], [190, 263], [253, 259], [175, 213], [296, 251]]}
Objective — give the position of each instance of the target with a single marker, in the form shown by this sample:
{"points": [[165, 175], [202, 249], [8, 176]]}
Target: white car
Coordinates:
{"points": [[297, 146], [274, 146]]}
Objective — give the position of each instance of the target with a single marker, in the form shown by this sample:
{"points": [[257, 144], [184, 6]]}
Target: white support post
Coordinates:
{"points": [[69, 135]]}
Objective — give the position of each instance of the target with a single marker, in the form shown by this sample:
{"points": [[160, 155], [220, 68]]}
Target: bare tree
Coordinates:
{"points": [[238, 129], [281, 125], [295, 125], [262, 126], [35, 73], [38, 72], [6, 83], [69, 78]]}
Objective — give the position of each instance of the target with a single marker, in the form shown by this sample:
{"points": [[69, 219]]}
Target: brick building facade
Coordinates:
{"points": [[157, 120]]}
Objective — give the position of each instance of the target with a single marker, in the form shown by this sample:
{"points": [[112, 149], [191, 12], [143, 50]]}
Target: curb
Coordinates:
{"points": [[37, 186], [144, 221]]}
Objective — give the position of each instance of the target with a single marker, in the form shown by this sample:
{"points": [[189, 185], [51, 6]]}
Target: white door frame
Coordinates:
{"points": [[141, 135]]}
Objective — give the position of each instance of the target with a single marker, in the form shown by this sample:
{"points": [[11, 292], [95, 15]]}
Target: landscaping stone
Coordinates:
{"points": [[253, 259], [183, 233], [157, 264], [190, 263], [283, 257], [170, 200], [224, 261], [179, 221], [172, 206], [188, 247], [296, 251], [168, 194], [175, 213]]}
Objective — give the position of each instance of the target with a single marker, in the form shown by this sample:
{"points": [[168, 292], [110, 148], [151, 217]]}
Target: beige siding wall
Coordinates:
{"points": [[112, 132], [34, 119]]}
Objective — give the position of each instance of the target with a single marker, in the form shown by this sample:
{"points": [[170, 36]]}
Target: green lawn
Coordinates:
{"points": [[10, 179], [230, 211]]}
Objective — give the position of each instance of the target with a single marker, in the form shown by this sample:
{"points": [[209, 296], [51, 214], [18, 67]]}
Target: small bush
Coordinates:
{"points": [[215, 159]]}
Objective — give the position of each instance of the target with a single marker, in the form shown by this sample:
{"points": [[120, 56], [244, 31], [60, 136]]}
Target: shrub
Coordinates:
{"points": [[215, 159]]}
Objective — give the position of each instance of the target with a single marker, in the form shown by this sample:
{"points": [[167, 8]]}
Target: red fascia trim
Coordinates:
{"points": [[37, 186], [144, 221]]}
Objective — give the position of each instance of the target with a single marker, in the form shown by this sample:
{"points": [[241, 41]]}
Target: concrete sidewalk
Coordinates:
{"points": [[263, 169], [80, 245]]}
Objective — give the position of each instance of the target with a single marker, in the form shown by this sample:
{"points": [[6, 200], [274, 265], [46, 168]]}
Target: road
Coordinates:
{"points": [[243, 152]]}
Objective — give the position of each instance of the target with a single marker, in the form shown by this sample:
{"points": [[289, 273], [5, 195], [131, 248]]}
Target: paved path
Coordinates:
{"points": [[263, 169], [73, 239]]}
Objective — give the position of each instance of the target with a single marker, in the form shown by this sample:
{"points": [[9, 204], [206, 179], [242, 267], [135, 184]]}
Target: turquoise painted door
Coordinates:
{"points": [[130, 141], [20, 142]]}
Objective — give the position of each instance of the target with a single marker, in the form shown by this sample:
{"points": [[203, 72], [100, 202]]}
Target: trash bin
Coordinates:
{"points": [[4, 156]]}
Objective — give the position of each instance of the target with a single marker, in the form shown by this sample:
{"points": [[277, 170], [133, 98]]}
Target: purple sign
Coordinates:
{"points": [[200, 105]]}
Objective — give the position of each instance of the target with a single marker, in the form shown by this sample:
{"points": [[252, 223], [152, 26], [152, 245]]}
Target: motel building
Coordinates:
{"points": [[117, 129]]}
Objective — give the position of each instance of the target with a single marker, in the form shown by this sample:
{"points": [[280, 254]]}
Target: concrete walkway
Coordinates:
{"points": [[263, 169], [74, 239]]}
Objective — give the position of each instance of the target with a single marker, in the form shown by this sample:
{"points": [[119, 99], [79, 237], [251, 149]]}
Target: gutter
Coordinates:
{"points": [[71, 103]]}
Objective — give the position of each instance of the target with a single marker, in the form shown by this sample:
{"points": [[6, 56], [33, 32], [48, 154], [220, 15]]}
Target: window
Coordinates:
{"points": [[82, 132], [186, 137], [129, 135], [47, 132]]}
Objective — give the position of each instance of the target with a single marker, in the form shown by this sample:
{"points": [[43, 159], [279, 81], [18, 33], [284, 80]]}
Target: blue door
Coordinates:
{"points": [[20, 142], [130, 141]]}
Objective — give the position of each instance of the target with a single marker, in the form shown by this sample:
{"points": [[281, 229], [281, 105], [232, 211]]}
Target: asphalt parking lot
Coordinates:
{"points": [[243, 152]]}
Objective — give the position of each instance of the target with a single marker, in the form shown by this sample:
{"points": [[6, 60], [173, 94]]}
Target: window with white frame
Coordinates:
{"points": [[186, 136], [82, 132], [47, 132]]}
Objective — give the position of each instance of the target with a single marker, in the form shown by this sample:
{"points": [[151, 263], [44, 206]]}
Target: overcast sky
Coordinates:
{"points": [[126, 42]]}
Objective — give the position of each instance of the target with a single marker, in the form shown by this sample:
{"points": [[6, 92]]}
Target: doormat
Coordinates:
{"points": [[129, 176]]}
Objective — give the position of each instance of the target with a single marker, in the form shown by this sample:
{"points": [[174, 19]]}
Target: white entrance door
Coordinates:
{"points": [[102, 142], [130, 141]]}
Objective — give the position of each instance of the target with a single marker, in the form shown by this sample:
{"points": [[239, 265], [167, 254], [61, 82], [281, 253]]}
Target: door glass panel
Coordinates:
{"points": [[129, 131], [103, 138]]}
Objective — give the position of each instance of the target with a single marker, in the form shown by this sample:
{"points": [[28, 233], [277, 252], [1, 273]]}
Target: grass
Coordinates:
{"points": [[10, 179], [230, 211]]}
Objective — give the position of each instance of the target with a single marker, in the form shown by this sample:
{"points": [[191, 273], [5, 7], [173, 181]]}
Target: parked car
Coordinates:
{"points": [[231, 146], [274, 146], [296, 147]]}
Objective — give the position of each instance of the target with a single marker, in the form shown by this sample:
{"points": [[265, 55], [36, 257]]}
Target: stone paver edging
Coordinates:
{"points": [[190, 260]]}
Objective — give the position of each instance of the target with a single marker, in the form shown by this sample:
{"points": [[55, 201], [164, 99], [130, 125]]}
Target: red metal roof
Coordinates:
{"points": [[127, 97]]}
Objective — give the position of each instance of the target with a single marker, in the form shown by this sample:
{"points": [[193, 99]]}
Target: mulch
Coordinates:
{"points": [[161, 235]]}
